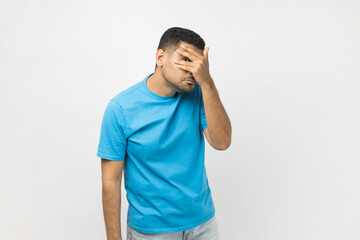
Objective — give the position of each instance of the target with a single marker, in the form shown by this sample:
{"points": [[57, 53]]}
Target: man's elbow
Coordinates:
{"points": [[224, 146]]}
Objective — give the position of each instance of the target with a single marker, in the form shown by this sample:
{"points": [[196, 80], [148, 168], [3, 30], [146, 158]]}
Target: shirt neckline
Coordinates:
{"points": [[159, 97]]}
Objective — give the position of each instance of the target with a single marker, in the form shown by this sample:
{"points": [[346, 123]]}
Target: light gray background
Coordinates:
{"points": [[287, 73]]}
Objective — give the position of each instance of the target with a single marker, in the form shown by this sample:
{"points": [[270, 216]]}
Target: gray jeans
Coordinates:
{"points": [[206, 231]]}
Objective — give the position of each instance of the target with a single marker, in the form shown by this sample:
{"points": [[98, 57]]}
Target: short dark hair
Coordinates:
{"points": [[169, 41]]}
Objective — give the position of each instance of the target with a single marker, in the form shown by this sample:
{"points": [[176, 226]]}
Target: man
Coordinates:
{"points": [[155, 130]]}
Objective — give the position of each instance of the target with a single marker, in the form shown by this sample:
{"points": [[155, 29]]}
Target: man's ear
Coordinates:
{"points": [[160, 57]]}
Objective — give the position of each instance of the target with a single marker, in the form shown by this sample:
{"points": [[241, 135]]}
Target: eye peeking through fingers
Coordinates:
{"points": [[186, 59]]}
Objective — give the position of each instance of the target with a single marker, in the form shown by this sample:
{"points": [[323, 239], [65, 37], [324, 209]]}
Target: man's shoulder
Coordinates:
{"points": [[128, 94]]}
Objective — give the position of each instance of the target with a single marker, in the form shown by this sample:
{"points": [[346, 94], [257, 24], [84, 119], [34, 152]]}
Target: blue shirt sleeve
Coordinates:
{"points": [[113, 143], [202, 112]]}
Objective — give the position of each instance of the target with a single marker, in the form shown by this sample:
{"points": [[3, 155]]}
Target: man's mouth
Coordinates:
{"points": [[192, 81]]}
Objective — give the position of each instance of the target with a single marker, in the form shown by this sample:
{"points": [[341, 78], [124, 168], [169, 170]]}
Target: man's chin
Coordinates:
{"points": [[187, 90]]}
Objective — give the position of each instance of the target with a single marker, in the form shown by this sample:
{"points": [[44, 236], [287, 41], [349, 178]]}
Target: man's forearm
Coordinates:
{"points": [[111, 198], [217, 119]]}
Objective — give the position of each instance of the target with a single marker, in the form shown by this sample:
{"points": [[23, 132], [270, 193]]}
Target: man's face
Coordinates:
{"points": [[175, 76]]}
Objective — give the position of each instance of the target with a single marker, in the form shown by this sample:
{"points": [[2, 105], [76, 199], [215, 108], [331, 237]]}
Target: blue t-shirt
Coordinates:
{"points": [[162, 143]]}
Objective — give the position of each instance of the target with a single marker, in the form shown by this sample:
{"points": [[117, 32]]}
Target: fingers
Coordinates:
{"points": [[189, 51], [183, 66]]}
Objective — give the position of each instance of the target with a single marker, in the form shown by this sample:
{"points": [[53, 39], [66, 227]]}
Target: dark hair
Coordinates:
{"points": [[171, 38]]}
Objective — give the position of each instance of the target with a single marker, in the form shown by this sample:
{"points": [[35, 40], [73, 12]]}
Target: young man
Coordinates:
{"points": [[154, 129]]}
